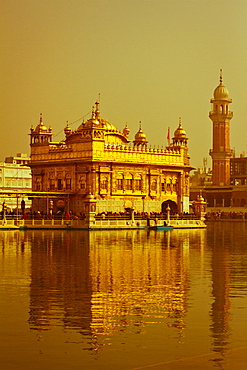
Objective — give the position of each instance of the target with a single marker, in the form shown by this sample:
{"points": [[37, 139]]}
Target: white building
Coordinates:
{"points": [[15, 174]]}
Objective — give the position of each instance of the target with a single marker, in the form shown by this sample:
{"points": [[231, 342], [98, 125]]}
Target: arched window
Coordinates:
{"points": [[68, 182], [59, 184], [52, 182], [82, 182], [120, 181], [37, 184], [138, 182], [104, 183], [154, 185], [129, 182]]}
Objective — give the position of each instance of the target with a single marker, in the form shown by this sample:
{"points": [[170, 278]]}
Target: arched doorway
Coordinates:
{"points": [[173, 206], [210, 200]]}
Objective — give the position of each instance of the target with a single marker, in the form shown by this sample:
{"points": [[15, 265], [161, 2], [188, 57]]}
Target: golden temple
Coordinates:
{"points": [[101, 168]]}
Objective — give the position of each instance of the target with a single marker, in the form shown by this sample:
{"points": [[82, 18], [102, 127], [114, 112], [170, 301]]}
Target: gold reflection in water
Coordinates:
{"points": [[103, 281], [138, 279], [220, 290]]}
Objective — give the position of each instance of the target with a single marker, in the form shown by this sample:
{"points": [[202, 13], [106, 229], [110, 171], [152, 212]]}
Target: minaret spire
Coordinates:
{"points": [[221, 76], [97, 111]]}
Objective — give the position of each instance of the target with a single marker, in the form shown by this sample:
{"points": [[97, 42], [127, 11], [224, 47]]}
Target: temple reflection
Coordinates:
{"points": [[99, 282], [99, 286], [102, 282]]}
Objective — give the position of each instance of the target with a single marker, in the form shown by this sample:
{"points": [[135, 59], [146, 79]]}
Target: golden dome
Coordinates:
{"points": [[41, 127], [107, 125], [180, 133], [140, 136], [221, 92], [67, 130], [126, 130]]}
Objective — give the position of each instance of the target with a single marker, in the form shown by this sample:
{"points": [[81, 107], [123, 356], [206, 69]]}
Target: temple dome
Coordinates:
{"points": [[108, 125], [221, 92], [67, 130], [180, 133], [41, 127], [140, 136]]}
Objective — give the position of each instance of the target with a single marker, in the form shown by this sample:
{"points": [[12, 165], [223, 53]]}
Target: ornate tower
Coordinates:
{"points": [[221, 152], [41, 135]]}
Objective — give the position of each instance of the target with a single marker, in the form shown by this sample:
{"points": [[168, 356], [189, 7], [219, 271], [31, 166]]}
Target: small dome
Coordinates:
{"points": [[126, 130], [41, 127], [67, 130], [180, 133], [140, 136], [221, 92]]}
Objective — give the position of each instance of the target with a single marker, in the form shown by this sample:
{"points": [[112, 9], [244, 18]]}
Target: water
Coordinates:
{"points": [[124, 299]]}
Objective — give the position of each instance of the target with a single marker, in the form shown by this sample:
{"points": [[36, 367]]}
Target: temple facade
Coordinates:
{"points": [[98, 164]]}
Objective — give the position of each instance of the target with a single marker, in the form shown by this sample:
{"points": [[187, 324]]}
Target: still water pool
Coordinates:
{"points": [[132, 299]]}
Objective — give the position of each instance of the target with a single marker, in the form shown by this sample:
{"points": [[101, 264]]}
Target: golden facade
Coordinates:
{"points": [[100, 162]]}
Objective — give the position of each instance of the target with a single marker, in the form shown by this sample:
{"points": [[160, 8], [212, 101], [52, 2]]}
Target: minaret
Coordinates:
{"points": [[221, 152]]}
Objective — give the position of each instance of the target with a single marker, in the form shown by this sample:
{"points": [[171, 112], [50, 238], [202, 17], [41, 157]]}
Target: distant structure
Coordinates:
{"points": [[15, 174], [202, 176], [98, 168], [238, 171]]}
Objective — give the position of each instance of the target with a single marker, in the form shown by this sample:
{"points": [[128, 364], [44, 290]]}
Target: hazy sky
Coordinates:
{"points": [[151, 61]]}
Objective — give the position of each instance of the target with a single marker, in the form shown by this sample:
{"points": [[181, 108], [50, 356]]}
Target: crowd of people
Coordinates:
{"points": [[226, 215], [29, 215]]}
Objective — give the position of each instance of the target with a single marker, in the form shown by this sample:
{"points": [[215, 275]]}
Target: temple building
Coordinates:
{"points": [[97, 161]]}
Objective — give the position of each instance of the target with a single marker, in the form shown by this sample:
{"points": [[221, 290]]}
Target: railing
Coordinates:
{"points": [[141, 216], [102, 217]]}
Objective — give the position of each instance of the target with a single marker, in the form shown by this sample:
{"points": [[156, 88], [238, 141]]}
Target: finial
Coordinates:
{"points": [[97, 112], [140, 125], [93, 112], [168, 136], [180, 121], [40, 118], [221, 77]]}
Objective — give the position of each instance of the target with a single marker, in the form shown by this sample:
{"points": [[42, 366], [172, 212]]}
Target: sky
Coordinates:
{"points": [[150, 60]]}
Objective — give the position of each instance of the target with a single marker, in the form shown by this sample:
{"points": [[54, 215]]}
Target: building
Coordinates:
{"points": [[98, 163], [202, 176], [238, 171], [228, 186], [15, 174], [221, 152]]}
